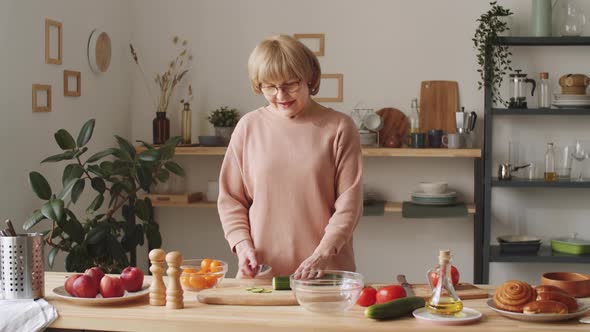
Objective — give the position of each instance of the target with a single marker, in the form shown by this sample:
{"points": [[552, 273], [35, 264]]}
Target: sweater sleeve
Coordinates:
{"points": [[348, 186], [234, 201]]}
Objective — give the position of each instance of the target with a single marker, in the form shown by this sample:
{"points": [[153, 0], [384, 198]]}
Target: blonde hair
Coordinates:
{"points": [[281, 58]]}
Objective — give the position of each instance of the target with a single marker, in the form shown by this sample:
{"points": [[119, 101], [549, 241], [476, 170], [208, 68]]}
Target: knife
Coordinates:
{"points": [[402, 281]]}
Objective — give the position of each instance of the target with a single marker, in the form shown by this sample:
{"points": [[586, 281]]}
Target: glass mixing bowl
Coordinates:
{"points": [[335, 291]]}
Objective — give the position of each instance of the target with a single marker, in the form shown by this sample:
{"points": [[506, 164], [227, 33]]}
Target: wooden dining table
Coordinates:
{"points": [[138, 315]]}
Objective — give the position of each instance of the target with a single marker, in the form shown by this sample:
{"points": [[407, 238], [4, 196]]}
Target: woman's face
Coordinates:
{"points": [[289, 98]]}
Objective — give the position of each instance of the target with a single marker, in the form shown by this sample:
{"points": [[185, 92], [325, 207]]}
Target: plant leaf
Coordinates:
{"points": [[146, 144], [97, 234], [73, 227], [67, 189], [98, 185], [40, 185], [53, 209], [64, 140], [51, 256], [72, 171], [33, 220], [116, 250], [96, 203], [144, 176], [153, 235], [86, 133], [125, 145], [78, 189], [166, 152], [149, 155], [174, 168], [99, 155], [142, 210], [68, 155]]}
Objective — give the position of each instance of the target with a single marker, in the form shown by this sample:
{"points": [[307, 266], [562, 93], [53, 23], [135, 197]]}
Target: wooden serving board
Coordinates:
{"points": [[240, 296], [439, 100]]}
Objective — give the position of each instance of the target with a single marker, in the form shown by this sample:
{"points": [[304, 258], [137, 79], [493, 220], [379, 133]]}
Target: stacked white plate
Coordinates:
{"points": [[561, 100], [422, 198]]}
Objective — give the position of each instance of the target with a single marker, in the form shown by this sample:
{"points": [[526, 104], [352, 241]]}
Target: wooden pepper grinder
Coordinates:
{"points": [[174, 293], [158, 288]]}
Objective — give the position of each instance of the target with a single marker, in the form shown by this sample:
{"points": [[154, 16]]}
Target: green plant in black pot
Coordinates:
{"points": [[117, 220], [224, 120], [493, 59]]}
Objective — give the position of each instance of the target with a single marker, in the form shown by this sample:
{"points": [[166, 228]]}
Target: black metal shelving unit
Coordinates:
{"points": [[492, 253]]}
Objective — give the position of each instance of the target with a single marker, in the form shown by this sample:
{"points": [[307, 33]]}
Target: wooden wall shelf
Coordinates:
{"points": [[392, 207], [367, 152]]}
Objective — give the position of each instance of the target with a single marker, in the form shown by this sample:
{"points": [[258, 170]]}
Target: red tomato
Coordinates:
{"points": [[388, 293], [367, 297], [454, 277]]}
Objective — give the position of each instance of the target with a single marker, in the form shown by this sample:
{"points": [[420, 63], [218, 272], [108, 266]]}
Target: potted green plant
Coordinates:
{"points": [[493, 59], [109, 237], [224, 120]]}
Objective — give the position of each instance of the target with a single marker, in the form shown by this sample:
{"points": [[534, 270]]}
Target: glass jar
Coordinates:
{"points": [[572, 20], [161, 128]]}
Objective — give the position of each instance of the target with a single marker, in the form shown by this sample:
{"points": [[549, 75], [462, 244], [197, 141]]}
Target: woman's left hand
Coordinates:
{"points": [[313, 266]]}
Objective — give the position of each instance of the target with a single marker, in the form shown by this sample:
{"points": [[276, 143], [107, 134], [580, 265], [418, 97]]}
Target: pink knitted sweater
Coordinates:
{"points": [[293, 186]]}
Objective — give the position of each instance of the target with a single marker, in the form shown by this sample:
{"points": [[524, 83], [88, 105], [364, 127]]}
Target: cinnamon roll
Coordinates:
{"points": [[513, 295]]}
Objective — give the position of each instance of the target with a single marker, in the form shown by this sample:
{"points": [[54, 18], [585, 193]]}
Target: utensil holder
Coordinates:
{"points": [[22, 272]]}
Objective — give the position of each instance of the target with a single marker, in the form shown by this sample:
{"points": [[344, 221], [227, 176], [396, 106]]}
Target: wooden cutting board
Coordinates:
{"points": [[465, 291], [240, 296], [439, 100]]}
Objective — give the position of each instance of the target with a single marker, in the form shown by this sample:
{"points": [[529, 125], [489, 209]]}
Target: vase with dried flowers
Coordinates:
{"points": [[166, 82], [185, 122]]}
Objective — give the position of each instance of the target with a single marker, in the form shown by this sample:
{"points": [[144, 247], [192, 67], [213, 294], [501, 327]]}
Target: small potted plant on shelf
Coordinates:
{"points": [[494, 60], [224, 120]]}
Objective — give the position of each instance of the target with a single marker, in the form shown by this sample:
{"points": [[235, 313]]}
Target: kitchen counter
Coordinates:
{"points": [[140, 316]]}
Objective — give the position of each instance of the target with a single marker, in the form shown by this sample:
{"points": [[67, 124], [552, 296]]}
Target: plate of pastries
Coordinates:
{"points": [[519, 300]]}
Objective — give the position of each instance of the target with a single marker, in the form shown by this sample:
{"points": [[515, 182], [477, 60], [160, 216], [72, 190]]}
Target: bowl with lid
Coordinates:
{"points": [[335, 291]]}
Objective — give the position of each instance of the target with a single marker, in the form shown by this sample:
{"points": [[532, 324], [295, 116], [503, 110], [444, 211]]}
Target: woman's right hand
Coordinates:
{"points": [[247, 260]]}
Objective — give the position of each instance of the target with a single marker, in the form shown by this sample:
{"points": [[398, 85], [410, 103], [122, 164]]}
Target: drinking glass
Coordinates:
{"points": [[580, 153], [563, 162]]}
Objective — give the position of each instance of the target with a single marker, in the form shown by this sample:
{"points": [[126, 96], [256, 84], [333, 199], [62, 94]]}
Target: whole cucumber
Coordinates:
{"points": [[394, 309]]}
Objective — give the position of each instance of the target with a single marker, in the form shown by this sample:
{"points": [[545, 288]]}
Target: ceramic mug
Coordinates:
{"points": [[435, 138], [453, 141], [418, 140]]}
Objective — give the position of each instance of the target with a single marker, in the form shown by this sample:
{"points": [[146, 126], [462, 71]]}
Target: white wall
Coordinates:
{"points": [[26, 137], [384, 48]]}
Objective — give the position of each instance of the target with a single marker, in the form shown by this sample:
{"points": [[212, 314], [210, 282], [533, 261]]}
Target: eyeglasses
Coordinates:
{"points": [[290, 87]]}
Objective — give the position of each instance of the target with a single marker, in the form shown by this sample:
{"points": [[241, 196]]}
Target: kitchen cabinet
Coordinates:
{"points": [[492, 253]]}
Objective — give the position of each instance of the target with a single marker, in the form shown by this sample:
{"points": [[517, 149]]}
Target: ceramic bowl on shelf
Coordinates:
{"points": [[438, 187], [336, 291], [198, 275]]}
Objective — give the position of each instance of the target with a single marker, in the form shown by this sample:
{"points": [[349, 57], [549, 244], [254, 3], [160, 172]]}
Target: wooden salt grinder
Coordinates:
{"points": [[158, 288], [174, 293]]}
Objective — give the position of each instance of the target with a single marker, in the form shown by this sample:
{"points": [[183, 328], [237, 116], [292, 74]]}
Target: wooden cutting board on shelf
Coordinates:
{"points": [[439, 100], [240, 296]]}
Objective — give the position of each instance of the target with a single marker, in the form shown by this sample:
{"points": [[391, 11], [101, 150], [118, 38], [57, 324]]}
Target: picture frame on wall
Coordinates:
{"points": [[314, 41], [331, 88], [68, 88], [40, 89], [51, 45]]}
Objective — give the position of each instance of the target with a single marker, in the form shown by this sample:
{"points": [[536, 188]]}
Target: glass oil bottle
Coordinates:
{"points": [[550, 175], [414, 116], [444, 299]]}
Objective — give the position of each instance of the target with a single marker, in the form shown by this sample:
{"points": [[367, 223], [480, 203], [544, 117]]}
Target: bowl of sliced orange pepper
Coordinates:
{"points": [[198, 274]]}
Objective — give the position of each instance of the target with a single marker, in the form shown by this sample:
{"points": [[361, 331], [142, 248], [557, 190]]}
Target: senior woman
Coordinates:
{"points": [[290, 191]]}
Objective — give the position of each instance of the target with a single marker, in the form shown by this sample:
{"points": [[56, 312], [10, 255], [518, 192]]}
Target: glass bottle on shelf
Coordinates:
{"points": [[414, 116], [185, 125], [572, 19], [544, 95], [550, 174], [444, 299]]}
